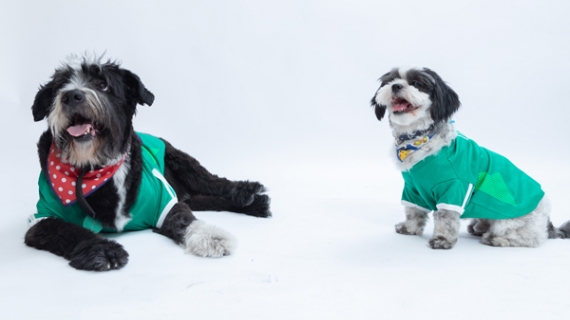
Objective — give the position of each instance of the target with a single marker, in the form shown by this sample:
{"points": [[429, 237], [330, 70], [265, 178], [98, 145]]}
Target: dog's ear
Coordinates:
{"points": [[136, 89], [379, 109], [445, 101], [43, 101]]}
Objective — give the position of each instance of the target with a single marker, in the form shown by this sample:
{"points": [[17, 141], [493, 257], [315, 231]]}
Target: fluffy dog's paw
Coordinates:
{"points": [[243, 193], [259, 207], [440, 242], [205, 240], [500, 241], [495, 241], [478, 227], [472, 231], [402, 228], [101, 255]]}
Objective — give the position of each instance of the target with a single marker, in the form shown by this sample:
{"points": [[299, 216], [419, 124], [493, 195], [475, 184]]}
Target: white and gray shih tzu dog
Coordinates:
{"points": [[451, 175]]}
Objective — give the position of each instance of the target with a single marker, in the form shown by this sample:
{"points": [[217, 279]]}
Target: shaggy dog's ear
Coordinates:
{"points": [[379, 109], [136, 89], [43, 101], [445, 101]]}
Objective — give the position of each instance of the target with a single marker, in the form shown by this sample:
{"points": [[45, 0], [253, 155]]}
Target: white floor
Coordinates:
{"points": [[329, 252]]}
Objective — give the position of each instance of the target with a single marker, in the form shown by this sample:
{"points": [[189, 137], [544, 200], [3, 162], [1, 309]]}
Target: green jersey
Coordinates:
{"points": [[154, 199], [471, 180]]}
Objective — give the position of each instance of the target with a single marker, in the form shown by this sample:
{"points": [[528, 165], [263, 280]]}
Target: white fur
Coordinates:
{"points": [[403, 70], [205, 240], [89, 58], [121, 218], [418, 99], [526, 231]]}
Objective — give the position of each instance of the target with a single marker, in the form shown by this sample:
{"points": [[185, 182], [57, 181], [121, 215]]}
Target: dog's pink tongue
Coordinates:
{"points": [[398, 107], [79, 129]]}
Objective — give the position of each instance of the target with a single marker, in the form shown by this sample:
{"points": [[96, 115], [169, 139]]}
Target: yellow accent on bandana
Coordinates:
{"points": [[403, 154]]}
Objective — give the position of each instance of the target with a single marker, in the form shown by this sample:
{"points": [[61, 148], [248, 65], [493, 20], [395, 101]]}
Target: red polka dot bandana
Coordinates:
{"points": [[63, 177]]}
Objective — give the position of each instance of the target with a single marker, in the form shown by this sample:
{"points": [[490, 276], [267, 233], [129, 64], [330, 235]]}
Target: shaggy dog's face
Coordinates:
{"points": [[89, 105], [412, 94]]}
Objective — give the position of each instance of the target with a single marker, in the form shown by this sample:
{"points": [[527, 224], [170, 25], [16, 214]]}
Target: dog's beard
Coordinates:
{"points": [[83, 154]]}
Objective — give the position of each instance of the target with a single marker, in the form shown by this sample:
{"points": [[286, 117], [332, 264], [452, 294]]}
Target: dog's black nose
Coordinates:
{"points": [[396, 87], [73, 98]]}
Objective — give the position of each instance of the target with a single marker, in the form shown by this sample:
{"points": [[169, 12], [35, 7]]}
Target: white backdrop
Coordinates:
{"points": [[279, 92]]}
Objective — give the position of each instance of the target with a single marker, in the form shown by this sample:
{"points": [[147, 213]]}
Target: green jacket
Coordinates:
{"points": [[471, 180], [155, 197]]}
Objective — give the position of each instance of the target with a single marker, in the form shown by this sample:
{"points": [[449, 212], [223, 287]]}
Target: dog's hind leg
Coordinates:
{"points": [[195, 236], [527, 231], [196, 180], [445, 230], [564, 231], [84, 249], [259, 207], [478, 227], [415, 223]]}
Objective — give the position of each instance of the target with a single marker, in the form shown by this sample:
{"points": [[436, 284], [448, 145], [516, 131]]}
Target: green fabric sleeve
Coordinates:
{"points": [[411, 198], [452, 194]]}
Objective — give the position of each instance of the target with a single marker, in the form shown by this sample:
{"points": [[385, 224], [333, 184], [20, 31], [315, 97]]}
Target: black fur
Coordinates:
{"points": [[43, 101], [84, 249], [175, 224], [189, 178], [46, 94], [136, 89], [120, 91], [258, 208], [379, 109], [445, 102]]}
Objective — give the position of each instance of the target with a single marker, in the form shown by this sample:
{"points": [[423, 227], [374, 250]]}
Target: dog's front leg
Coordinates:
{"points": [[195, 236], [445, 230], [415, 222], [84, 249]]}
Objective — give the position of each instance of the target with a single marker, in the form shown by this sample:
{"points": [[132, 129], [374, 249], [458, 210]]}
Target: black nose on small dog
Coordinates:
{"points": [[397, 87], [73, 98]]}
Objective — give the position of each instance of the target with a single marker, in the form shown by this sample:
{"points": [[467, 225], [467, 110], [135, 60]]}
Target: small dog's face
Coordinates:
{"points": [[411, 94], [89, 105]]}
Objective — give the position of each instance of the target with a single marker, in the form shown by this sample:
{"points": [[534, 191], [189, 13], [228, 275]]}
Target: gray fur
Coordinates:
{"points": [[478, 227], [415, 223], [445, 230], [564, 231], [527, 231]]}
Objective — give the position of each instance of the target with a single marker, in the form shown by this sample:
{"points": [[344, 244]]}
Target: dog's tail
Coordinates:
{"points": [[559, 233]]}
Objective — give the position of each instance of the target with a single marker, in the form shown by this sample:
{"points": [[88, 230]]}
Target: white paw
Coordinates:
{"points": [[205, 240]]}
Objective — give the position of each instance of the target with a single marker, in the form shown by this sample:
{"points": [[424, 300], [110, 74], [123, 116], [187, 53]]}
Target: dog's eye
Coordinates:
{"points": [[102, 86], [414, 83]]}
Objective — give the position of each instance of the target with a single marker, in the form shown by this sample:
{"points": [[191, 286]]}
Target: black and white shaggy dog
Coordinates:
{"points": [[451, 175], [98, 174]]}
